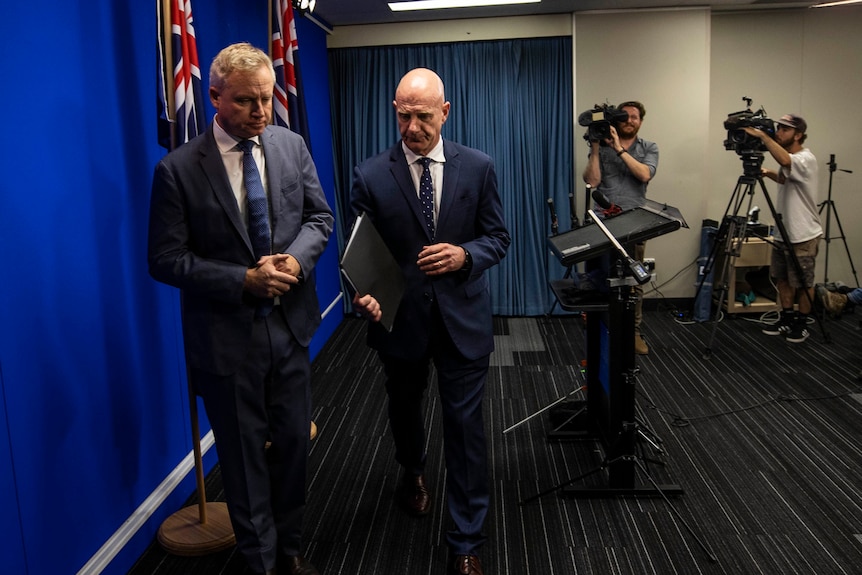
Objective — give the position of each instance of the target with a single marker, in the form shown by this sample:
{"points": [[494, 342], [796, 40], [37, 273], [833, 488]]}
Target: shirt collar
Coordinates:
{"points": [[435, 154], [225, 141]]}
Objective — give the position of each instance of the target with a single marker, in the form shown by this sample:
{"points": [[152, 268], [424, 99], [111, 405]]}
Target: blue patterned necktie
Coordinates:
{"points": [[258, 214], [426, 195]]}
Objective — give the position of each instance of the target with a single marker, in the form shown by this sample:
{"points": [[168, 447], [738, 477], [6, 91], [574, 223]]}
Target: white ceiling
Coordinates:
{"points": [[352, 12]]}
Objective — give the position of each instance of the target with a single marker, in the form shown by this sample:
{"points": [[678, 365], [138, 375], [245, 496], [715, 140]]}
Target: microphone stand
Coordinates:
{"points": [[555, 229], [573, 212], [829, 205], [637, 269], [589, 190]]}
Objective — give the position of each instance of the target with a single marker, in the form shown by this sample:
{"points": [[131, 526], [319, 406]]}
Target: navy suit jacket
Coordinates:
{"points": [[199, 243], [470, 215]]}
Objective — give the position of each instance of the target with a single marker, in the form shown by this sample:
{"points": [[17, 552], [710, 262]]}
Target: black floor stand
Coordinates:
{"points": [[566, 276], [573, 225], [621, 463], [829, 207], [609, 414]]}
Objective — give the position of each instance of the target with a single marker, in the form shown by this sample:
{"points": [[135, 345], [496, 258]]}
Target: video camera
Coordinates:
{"points": [[738, 139], [599, 120]]}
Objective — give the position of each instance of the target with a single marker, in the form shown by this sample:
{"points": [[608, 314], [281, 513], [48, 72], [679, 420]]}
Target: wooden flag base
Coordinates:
{"points": [[184, 534], [194, 531]]}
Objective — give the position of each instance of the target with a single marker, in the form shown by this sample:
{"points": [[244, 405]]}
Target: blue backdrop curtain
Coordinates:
{"points": [[511, 99]]}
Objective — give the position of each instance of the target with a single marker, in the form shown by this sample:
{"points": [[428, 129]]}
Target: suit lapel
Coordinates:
{"points": [[274, 169], [401, 172], [213, 168], [451, 172]]}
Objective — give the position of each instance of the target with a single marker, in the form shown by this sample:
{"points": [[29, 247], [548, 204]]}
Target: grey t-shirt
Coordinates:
{"points": [[618, 184]]}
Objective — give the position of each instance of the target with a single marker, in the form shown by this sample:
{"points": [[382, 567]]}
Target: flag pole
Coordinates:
{"points": [[193, 530], [170, 112], [271, 12]]}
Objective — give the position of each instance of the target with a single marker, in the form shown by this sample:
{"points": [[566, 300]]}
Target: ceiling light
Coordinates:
{"points": [[304, 5], [839, 3], [439, 4]]}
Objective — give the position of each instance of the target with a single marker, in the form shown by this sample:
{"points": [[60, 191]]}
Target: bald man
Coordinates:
{"points": [[436, 206]]}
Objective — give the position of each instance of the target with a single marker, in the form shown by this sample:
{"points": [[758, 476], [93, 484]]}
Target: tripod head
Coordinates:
{"points": [[833, 166], [751, 163]]}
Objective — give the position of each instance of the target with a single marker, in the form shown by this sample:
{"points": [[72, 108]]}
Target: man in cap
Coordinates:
{"points": [[797, 204]]}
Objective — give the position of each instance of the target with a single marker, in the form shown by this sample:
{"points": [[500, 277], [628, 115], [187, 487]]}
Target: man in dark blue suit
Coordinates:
{"points": [[443, 244], [248, 318]]}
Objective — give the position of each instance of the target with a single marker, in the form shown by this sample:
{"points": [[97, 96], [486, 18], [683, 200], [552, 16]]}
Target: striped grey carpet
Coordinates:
{"points": [[763, 437]]}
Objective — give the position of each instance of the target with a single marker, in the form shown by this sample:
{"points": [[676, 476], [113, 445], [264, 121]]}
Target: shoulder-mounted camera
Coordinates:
{"points": [[599, 120], [738, 139]]}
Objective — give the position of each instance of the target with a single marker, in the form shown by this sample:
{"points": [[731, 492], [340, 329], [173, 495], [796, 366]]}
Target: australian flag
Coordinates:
{"points": [[180, 96], [289, 103]]}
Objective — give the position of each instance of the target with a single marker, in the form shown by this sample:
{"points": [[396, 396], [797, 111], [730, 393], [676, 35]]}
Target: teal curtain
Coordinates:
{"points": [[511, 99]]}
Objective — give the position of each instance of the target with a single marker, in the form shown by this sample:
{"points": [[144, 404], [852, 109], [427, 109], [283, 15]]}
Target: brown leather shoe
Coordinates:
{"points": [[466, 565], [641, 347], [296, 565], [412, 495]]}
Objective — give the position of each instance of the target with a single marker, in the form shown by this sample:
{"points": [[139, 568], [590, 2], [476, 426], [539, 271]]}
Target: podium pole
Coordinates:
{"points": [[203, 528]]}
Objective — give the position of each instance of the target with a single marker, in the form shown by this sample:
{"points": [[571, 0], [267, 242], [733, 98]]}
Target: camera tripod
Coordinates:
{"points": [[733, 231], [830, 208]]}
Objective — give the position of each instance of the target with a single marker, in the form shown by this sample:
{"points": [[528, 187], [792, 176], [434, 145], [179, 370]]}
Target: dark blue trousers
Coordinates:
{"points": [[268, 399], [461, 384]]}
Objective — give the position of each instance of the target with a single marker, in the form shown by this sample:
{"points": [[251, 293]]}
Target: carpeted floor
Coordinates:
{"points": [[763, 437]]}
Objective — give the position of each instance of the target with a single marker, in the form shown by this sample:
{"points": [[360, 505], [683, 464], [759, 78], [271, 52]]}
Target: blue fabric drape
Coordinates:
{"points": [[511, 99]]}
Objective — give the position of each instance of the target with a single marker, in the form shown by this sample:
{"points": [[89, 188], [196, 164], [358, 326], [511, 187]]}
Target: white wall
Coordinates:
{"points": [[661, 59], [690, 68], [807, 62]]}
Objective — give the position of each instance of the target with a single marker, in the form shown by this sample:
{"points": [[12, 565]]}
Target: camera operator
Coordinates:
{"points": [[797, 204], [622, 166]]}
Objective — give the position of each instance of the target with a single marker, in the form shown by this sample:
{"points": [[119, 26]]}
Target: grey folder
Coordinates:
{"points": [[370, 268]]}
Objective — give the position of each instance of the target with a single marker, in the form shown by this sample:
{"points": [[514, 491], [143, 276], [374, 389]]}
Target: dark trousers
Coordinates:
{"points": [[461, 384], [268, 399]]}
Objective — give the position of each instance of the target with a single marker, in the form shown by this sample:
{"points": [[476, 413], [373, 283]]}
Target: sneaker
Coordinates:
{"points": [[833, 302], [781, 327], [797, 334]]}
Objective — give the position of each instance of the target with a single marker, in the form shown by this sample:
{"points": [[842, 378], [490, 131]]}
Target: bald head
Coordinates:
{"points": [[420, 82], [421, 107]]}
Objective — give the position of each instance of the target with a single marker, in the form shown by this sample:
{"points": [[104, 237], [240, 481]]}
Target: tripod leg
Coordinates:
{"points": [[847, 249], [675, 511], [544, 409], [732, 235], [735, 201], [565, 483], [827, 234]]}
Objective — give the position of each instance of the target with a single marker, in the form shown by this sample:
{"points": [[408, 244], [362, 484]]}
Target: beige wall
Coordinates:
{"points": [[691, 68], [662, 60], [807, 62]]}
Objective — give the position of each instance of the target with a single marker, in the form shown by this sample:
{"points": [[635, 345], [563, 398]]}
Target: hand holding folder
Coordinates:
{"points": [[369, 267]]}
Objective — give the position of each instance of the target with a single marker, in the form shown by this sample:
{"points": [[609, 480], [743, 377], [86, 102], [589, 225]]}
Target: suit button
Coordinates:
{"points": [[428, 295]]}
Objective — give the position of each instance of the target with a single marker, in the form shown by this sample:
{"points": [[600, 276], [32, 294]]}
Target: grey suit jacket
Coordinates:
{"points": [[199, 243]]}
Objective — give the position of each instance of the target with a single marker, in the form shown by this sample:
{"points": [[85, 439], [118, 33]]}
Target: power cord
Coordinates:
{"points": [[656, 288], [678, 420]]}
